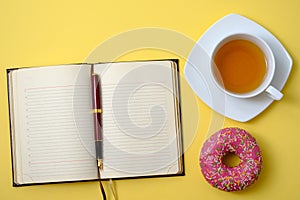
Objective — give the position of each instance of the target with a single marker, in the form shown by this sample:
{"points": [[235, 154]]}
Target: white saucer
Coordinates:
{"points": [[198, 76]]}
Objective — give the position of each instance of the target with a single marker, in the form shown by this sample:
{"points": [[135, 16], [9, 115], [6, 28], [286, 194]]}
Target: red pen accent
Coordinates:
{"points": [[97, 113]]}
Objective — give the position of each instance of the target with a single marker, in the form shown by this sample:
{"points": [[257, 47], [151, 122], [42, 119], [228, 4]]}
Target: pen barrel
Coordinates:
{"points": [[98, 126], [97, 115], [99, 149], [97, 106]]}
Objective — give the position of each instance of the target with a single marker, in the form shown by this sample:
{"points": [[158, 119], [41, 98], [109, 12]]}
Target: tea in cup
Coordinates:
{"points": [[243, 66]]}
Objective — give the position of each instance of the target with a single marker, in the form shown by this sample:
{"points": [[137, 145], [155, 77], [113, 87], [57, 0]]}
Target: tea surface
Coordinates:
{"points": [[242, 66]]}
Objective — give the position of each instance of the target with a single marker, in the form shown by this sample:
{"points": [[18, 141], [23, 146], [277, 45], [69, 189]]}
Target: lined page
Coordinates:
{"points": [[140, 135], [54, 126]]}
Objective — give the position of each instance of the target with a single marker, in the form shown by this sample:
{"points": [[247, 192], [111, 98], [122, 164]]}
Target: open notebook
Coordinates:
{"points": [[52, 132]]}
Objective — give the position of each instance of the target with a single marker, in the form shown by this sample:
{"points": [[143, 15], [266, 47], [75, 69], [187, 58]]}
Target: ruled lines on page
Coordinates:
{"points": [[54, 144], [133, 144]]}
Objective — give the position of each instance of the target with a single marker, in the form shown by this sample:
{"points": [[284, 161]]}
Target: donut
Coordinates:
{"points": [[221, 176]]}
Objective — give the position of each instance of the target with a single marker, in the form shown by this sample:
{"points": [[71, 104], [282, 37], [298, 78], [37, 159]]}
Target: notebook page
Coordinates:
{"points": [[139, 120], [53, 124]]}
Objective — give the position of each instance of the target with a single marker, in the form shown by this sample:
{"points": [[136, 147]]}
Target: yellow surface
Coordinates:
{"points": [[36, 32]]}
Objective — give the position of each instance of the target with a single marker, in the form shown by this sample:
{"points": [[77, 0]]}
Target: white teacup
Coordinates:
{"points": [[221, 77]]}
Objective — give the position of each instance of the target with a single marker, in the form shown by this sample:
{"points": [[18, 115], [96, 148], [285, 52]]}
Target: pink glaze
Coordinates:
{"points": [[239, 142]]}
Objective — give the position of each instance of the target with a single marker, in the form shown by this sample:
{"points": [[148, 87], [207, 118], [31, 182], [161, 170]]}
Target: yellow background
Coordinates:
{"points": [[37, 32]]}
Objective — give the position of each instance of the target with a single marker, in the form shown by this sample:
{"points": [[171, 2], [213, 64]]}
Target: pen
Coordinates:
{"points": [[97, 113], [98, 129]]}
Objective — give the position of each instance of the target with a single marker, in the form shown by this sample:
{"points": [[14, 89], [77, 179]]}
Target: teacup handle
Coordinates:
{"points": [[274, 93]]}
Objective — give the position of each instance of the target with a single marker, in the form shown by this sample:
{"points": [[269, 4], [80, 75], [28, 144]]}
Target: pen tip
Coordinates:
{"points": [[100, 164]]}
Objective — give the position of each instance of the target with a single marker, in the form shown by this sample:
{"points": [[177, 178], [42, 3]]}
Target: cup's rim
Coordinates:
{"points": [[262, 44]]}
